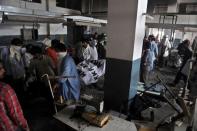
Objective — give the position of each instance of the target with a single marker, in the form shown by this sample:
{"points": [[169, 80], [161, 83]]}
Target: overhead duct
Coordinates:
{"points": [[80, 23], [10, 17], [170, 26], [16, 14], [84, 21]]}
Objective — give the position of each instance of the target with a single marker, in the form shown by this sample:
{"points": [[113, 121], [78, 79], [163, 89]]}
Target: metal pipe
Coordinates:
{"points": [[48, 25], [51, 90]]}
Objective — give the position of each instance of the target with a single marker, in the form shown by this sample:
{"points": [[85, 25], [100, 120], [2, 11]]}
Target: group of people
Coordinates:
{"points": [[150, 55], [29, 64], [40, 65], [91, 48], [157, 54]]}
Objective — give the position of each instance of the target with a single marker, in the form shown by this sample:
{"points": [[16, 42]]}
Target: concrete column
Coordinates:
{"points": [[126, 30]]}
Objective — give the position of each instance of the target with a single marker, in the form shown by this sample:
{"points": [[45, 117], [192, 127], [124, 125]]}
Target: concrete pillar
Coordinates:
{"points": [[126, 30]]}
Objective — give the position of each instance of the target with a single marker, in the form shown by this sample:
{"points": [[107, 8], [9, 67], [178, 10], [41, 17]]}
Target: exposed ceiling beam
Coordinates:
{"points": [[169, 26], [172, 14]]}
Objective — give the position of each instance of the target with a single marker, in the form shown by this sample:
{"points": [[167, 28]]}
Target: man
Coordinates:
{"points": [[164, 51], [185, 52], [11, 114], [194, 47], [86, 51], [154, 49], [147, 64], [70, 87]]}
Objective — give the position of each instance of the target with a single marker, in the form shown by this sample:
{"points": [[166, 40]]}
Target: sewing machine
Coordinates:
{"points": [[96, 102]]}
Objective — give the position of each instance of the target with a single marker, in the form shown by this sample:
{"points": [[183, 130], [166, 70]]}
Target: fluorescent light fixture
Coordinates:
{"points": [[79, 18]]}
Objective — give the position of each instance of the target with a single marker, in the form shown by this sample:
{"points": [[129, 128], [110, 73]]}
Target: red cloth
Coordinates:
{"points": [[53, 55], [11, 114]]}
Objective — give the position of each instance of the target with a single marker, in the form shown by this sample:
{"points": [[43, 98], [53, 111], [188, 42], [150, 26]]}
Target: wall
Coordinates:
{"points": [[98, 10], [24, 4], [172, 5], [97, 6], [13, 30]]}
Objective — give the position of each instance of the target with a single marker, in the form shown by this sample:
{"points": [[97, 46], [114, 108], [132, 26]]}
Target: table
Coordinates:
{"points": [[115, 124]]}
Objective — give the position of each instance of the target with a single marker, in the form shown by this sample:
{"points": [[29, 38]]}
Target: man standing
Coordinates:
{"points": [[70, 87], [186, 53], [11, 114]]}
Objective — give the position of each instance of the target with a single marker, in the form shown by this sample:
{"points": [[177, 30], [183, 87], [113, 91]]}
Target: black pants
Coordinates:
{"points": [[180, 76]]}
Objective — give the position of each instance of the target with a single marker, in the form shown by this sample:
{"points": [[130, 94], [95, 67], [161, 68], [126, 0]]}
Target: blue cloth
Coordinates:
{"points": [[154, 49], [70, 87], [5, 59], [149, 58]]}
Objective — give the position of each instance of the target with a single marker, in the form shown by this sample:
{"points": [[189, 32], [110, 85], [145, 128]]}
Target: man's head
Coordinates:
{"points": [[85, 42], [60, 47], [17, 42], [186, 43], [2, 70], [150, 37]]}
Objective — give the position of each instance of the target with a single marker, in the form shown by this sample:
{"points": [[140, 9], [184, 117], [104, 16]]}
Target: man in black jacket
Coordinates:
{"points": [[185, 52]]}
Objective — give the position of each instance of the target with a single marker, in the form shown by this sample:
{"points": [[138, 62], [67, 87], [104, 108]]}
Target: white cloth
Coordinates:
{"points": [[47, 42], [86, 53], [165, 47], [16, 62], [93, 53], [15, 51], [91, 71], [61, 55]]}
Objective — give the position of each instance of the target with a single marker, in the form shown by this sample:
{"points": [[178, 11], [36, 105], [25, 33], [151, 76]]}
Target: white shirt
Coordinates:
{"points": [[86, 52], [93, 53]]}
